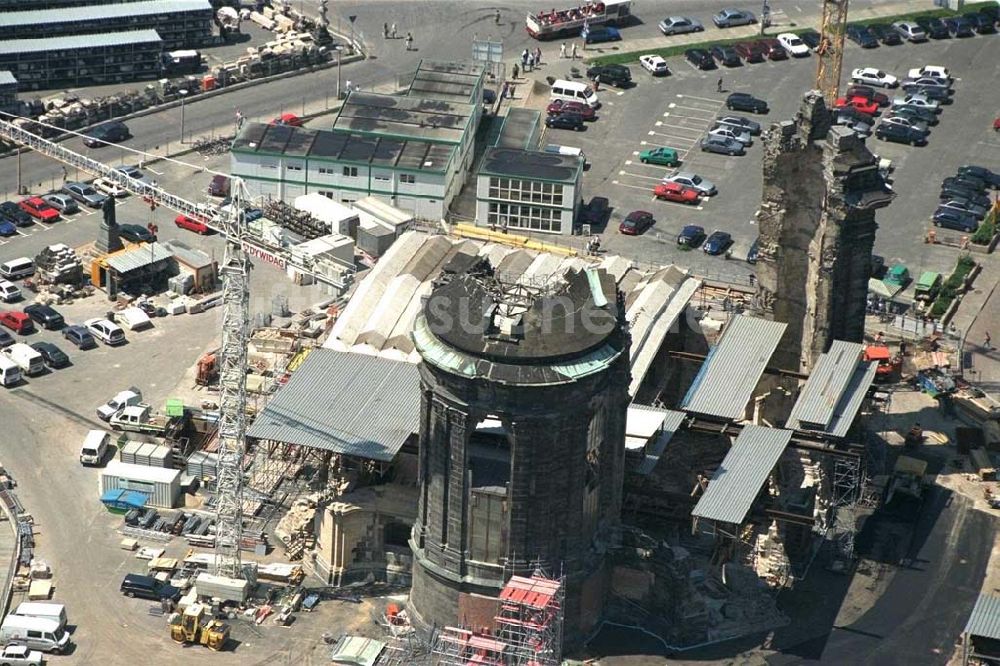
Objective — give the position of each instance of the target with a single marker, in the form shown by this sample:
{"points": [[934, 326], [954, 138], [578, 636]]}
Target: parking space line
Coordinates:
{"points": [[710, 112], [697, 130], [634, 187], [637, 175], [676, 138], [703, 99], [151, 170]]}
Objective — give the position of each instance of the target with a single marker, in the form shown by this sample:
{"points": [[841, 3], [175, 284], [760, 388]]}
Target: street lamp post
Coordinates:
{"points": [[183, 93], [339, 52]]}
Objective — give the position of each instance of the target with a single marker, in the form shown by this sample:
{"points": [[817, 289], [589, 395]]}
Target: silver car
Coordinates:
{"points": [[63, 203], [742, 122], [918, 101], [906, 122], [860, 128], [692, 179], [135, 174], [734, 133], [678, 25], [926, 82], [85, 194], [732, 17], [723, 145]]}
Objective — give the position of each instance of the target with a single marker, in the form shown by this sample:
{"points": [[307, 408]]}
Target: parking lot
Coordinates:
{"points": [[675, 111]]}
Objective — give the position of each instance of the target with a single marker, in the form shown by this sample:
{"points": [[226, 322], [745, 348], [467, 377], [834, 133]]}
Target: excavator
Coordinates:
{"points": [[195, 626]]}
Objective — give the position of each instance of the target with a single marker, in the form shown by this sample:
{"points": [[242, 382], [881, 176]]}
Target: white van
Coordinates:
{"points": [[9, 292], [134, 319], [568, 151], [47, 611], [10, 372], [30, 361], [95, 447], [15, 269], [37, 633], [574, 91]]}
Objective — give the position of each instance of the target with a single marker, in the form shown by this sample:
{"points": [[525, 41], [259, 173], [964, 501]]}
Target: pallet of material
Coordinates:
{"points": [[40, 590]]}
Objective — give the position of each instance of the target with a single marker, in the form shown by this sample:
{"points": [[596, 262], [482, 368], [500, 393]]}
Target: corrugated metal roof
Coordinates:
{"points": [[7, 79], [736, 483], [355, 404], [9, 20], [733, 367], [667, 421], [92, 41], [833, 394], [985, 618], [137, 257], [357, 651]]}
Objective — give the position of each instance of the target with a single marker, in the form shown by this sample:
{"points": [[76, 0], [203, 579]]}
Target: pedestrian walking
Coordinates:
{"points": [[496, 17], [348, 88], [392, 31], [718, 85], [538, 56], [531, 62], [988, 341], [409, 41], [65, 174], [357, 87], [573, 56], [515, 70], [597, 83], [562, 50], [524, 58], [385, 31], [752, 279]]}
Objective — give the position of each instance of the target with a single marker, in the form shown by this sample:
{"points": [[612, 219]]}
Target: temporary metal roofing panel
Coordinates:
{"points": [[70, 42], [985, 618], [736, 483], [353, 404], [834, 392], [733, 367], [137, 257], [644, 422], [357, 651], [9, 20], [7, 79]]}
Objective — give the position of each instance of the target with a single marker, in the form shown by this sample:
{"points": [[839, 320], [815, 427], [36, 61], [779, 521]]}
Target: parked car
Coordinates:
{"points": [[722, 145], [63, 203], [636, 222], [981, 23], [953, 219], [559, 106], [733, 133], [936, 71], [991, 178], [793, 44], [197, 226], [600, 33], [51, 354], [852, 114], [965, 206], [9, 292], [959, 26], [11, 211], [910, 31], [148, 587], [919, 101], [918, 125], [717, 243], [106, 331], [859, 127], [79, 336], [934, 27], [732, 17], [934, 93], [914, 113], [6, 339], [774, 49], [218, 186], [706, 187], [654, 64], [678, 25], [7, 228], [885, 34], [751, 51], [860, 103], [618, 76], [868, 93], [976, 197], [754, 251], [811, 38], [662, 156], [110, 188], [45, 316], [595, 212], [967, 181], [861, 36], [17, 321], [85, 194], [110, 132], [738, 101], [742, 122], [39, 209], [726, 55], [700, 58], [677, 193], [900, 134], [135, 174], [691, 236], [135, 233], [570, 121], [926, 82], [874, 77]]}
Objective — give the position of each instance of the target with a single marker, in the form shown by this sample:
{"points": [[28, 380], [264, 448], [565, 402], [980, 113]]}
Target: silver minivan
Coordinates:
{"points": [[37, 633], [16, 269]]}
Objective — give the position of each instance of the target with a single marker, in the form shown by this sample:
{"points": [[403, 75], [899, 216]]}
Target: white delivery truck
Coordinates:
{"points": [[30, 361], [49, 611], [10, 372], [37, 633], [126, 398]]}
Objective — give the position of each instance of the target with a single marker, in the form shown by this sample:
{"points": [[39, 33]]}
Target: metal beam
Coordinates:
{"points": [[800, 440], [785, 516]]}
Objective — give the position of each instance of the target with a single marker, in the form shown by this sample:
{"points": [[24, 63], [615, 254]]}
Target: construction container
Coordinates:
{"points": [[127, 452], [201, 464], [162, 487], [208, 83], [220, 587], [341, 219], [372, 210], [375, 239]]}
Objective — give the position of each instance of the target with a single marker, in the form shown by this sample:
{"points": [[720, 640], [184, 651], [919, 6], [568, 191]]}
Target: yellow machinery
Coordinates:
{"points": [[831, 49], [194, 626]]}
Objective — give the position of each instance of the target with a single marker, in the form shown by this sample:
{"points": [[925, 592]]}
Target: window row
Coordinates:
{"points": [[531, 218], [513, 189]]}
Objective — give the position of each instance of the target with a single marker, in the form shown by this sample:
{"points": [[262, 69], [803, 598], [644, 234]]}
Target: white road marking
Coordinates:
{"points": [[703, 99], [635, 152], [639, 175], [634, 187], [151, 170], [710, 112], [671, 105], [658, 123], [678, 138], [622, 92], [697, 130]]}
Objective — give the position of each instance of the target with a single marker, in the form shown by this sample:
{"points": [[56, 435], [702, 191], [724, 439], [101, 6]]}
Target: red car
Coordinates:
{"points": [[752, 51], [676, 192], [860, 103], [560, 106], [17, 321], [191, 224], [636, 222], [39, 209], [289, 119], [773, 49]]}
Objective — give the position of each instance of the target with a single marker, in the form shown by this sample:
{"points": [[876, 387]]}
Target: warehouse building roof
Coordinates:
{"points": [[531, 165], [985, 618], [404, 117], [9, 20], [71, 42], [455, 81]]}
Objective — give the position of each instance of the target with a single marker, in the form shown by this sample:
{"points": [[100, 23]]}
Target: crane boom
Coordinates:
{"points": [[831, 49]]}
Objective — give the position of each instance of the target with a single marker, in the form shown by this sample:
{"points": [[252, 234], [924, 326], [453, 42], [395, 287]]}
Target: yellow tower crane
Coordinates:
{"points": [[831, 49]]}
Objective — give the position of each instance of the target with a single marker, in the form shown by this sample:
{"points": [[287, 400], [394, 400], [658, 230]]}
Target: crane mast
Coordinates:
{"points": [[831, 49]]}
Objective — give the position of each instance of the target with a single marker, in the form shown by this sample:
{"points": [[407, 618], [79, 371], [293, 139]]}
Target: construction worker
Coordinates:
{"points": [[392, 31], [496, 17], [562, 50], [718, 85], [409, 41]]}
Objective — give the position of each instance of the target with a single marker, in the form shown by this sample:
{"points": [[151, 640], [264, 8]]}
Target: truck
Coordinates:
{"points": [[142, 418], [126, 398], [557, 24]]}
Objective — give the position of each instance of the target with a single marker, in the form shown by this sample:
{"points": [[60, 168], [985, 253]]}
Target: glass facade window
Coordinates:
{"points": [[530, 191], [530, 218], [351, 172], [407, 178]]}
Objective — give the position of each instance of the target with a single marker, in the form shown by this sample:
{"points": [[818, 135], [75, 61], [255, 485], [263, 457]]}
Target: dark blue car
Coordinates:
{"points": [[717, 243], [7, 228], [953, 219], [862, 36], [959, 26], [600, 34]]}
